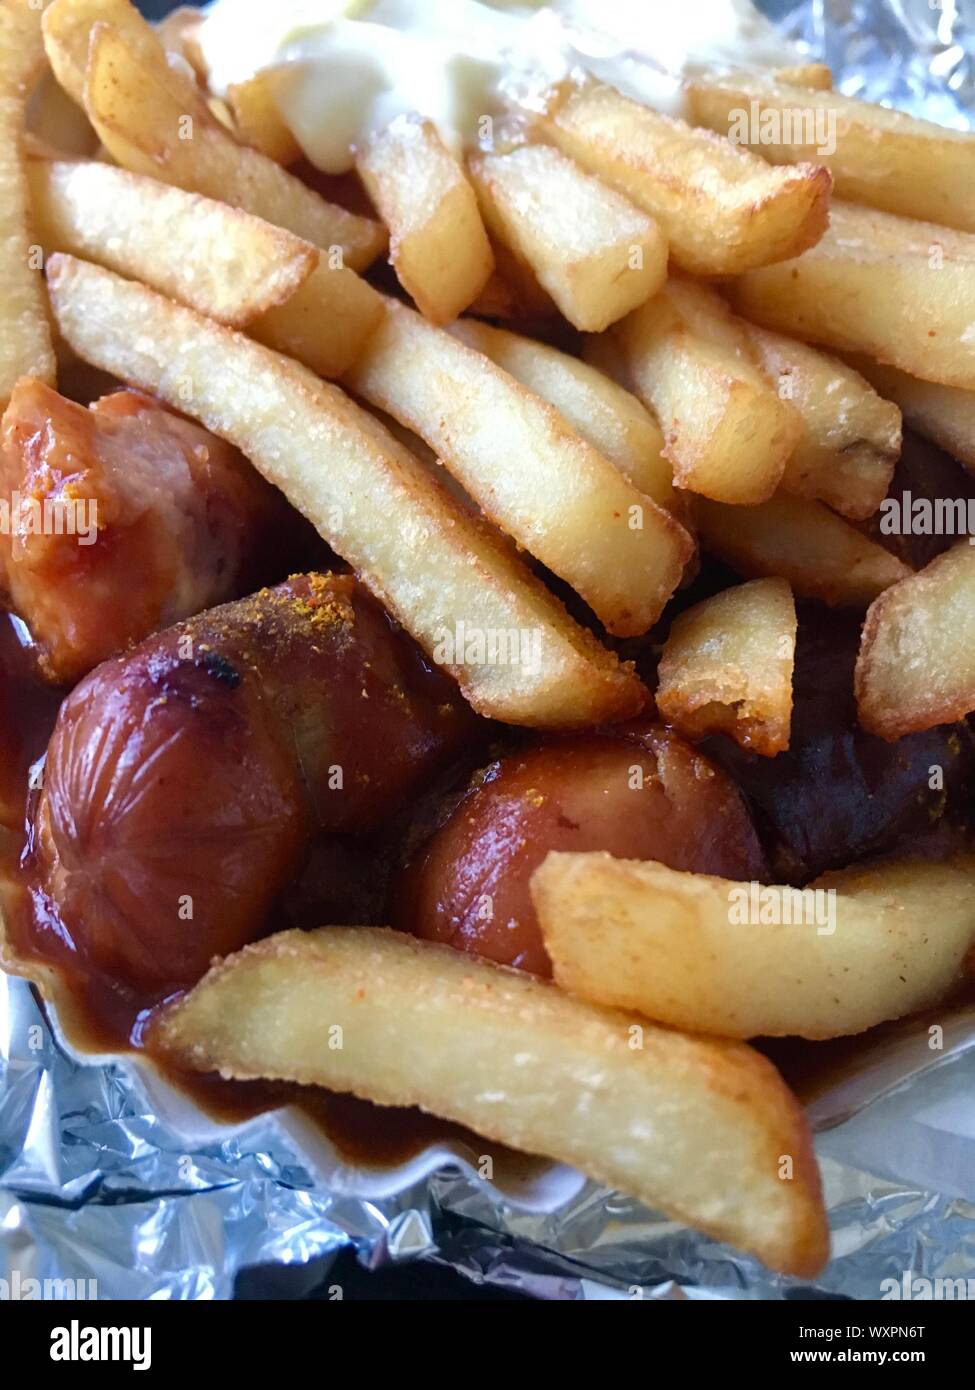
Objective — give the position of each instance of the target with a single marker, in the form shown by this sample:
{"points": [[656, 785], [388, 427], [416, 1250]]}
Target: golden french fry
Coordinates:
{"points": [[613, 420], [743, 960], [596, 254], [816, 75], [222, 113], [179, 33], [692, 1126], [900, 291], [326, 323], [68, 26], [58, 123], [428, 561], [728, 434], [603, 351], [257, 120], [526, 300], [851, 437], [25, 334], [148, 129], [212, 257], [886, 159], [943, 414], [543, 484], [722, 209], [916, 665], [438, 244], [498, 300], [36, 147], [821, 555], [727, 666]]}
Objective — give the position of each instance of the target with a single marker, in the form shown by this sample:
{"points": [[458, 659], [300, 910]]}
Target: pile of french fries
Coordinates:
{"points": [[750, 345]]}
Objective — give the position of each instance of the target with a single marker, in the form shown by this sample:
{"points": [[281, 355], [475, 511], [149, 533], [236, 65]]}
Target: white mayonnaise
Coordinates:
{"points": [[346, 68]]}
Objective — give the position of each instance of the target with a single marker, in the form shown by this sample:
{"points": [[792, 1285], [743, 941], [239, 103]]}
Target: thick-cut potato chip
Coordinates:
{"points": [[25, 335], [449, 580], [727, 666], [695, 1127], [596, 254], [744, 960], [821, 555], [150, 130], [723, 209], [943, 414], [326, 323], [916, 666], [438, 245], [727, 432], [542, 483], [257, 120], [886, 159], [215, 258], [900, 291], [613, 420], [851, 437]]}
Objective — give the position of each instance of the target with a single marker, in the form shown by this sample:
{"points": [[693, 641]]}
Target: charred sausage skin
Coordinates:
{"points": [[185, 782]]}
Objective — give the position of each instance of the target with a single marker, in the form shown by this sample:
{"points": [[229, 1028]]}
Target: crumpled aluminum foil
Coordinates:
{"points": [[103, 1177], [917, 55]]}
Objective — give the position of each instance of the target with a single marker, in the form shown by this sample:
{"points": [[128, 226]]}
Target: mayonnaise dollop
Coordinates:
{"points": [[346, 68]]}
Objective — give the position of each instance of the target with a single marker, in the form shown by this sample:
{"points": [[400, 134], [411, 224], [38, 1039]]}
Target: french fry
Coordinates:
{"points": [[498, 300], [438, 245], [916, 664], [214, 258], [222, 113], [596, 254], [148, 129], [326, 323], [25, 335], [542, 483], [691, 1126], [727, 667], [613, 420], [943, 414], [429, 562], [821, 555], [728, 434], [851, 436], [68, 26], [886, 159], [816, 75], [722, 209], [35, 147], [179, 33], [900, 291], [527, 301], [58, 122], [209, 256], [603, 351], [741, 960], [257, 120]]}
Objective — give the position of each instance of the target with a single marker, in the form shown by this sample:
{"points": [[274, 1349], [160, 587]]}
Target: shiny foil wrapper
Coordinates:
{"points": [[110, 1179]]}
